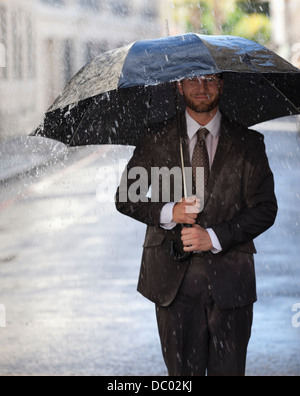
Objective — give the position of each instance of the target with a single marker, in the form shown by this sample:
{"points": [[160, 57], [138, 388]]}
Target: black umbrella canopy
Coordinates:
{"points": [[119, 94]]}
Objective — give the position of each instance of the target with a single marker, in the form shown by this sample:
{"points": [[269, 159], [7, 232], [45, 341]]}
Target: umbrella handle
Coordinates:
{"points": [[174, 252]]}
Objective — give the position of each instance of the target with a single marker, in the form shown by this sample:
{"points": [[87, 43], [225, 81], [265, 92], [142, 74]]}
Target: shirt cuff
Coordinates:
{"points": [[166, 217], [217, 248]]}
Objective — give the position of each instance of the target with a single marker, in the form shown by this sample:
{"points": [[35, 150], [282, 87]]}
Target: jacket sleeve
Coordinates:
{"points": [[260, 209], [132, 195]]}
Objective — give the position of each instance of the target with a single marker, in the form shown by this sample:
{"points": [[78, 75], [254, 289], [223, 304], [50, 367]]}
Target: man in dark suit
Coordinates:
{"points": [[204, 305]]}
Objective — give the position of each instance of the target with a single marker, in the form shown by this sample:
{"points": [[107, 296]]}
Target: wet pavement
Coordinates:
{"points": [[69, 265]]}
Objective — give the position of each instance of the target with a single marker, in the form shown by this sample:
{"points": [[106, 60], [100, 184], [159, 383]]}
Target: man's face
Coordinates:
{"points": [[202, 94]]}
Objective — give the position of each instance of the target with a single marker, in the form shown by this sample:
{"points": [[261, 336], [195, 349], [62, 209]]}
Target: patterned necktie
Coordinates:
{"points": [[200, 160]]}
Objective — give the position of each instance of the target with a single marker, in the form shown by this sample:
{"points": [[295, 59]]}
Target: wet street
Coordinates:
{"points": [[69, 265]]}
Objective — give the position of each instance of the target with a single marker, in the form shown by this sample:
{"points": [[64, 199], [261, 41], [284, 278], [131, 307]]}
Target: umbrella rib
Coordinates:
{"points": [[77, 129], [281, 93]]}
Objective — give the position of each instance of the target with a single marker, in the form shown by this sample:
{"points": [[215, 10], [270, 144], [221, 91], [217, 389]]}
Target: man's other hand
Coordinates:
{"points": [[196, 239]]}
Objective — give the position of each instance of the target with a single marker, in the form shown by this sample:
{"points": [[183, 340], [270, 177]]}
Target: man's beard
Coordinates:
{"points": [[202, 108]]}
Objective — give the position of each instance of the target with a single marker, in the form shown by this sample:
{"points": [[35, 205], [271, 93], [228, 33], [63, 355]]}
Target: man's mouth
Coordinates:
{"points": [[202, 97]]}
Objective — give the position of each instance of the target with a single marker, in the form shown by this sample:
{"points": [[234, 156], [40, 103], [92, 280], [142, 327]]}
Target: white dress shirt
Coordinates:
{"points": [[212, 140]]}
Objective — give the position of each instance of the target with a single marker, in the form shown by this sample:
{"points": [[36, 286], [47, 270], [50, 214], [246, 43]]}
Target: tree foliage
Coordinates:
{"points": [[245, 18]]}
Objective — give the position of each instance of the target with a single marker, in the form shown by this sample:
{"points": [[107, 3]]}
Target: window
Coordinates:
{"points": [[150, 10], [92, 5], [30, 50], [120, 8], [56, 3], [3, 42], [94, 49], [17, 46], [68, 60]]}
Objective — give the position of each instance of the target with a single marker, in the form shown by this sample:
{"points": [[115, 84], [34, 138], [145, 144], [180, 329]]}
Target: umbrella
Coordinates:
{"points": [[115, 97], [119, 94]]}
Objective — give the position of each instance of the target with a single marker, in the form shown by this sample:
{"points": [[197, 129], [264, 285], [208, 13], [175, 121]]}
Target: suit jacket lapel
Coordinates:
{"points": [[171, 138], [174, 143], [224, 146], [186, 154]]}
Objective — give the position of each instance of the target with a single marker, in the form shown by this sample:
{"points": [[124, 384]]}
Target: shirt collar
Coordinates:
{"points": [[214, 126]]}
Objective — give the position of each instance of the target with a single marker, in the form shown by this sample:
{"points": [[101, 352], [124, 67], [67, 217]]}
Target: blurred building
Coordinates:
{"points": [[43, 43], [18, 72], [286, 29]]}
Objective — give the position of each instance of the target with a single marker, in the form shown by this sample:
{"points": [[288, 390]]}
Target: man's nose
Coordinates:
{"points": [[201, 83]]}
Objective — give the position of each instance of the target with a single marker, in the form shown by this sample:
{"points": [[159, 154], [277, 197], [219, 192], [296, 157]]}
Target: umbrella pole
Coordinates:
{"points": [[176, 255], [180, 134], [179, 128], [183, 168]]}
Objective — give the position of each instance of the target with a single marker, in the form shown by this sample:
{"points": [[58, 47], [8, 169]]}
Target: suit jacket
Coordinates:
{"points": [[240, 204]]}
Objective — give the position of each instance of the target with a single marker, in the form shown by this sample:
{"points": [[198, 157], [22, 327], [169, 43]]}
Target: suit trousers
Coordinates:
{"points": [[197, 337]]}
